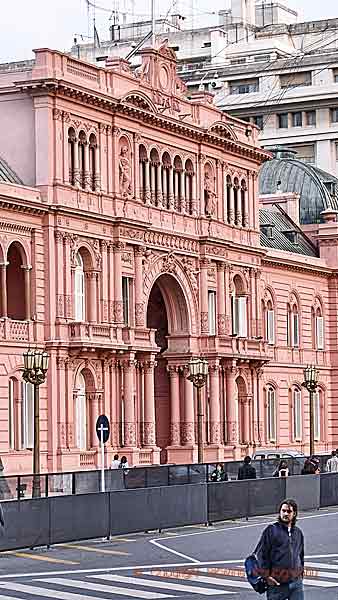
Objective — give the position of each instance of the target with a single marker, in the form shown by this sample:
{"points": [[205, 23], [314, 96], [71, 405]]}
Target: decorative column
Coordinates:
{"points": [[174, 378], [97, 174], [70, 405], [258, 315], [128, 366], [260, 406], [152, 182], [149, 433], [204, 265], [118, 299], [176, 189], [147, 192], [221, 317], [109, 160], [104, 282], [194, 211], [159, 196], [115, 160], [246, 206], [3, 275], [171, 199], [113, 397], [252, 321], [59, 274], [231, 215], [86, 166], [238, 215], [94, 400], [164, 171], [110, 273], [215, 425], [232, 400], [70, 242], [65, 142], [137, 171], [246, 421], [27, 277], [139, 305], [188, 424], [227, 300], [182, 191]]}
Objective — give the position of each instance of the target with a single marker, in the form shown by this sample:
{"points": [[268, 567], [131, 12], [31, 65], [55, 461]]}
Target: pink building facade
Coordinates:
{"points": [[130, 242]]}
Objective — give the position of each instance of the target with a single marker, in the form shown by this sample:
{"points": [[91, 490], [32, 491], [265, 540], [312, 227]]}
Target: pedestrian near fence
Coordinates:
{"points": [[332, 463], [115, 462], [247, 471], [282, 469], [280, 555], [219, 474]]}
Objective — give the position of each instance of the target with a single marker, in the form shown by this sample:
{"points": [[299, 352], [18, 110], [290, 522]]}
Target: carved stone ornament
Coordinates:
{"points": [[169, 263], [125, 173]]}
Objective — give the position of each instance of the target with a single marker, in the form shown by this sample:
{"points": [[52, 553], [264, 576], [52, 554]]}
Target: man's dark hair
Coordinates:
{"points": [[334, 453], [291, 504], [116, 456], [247, 460]]}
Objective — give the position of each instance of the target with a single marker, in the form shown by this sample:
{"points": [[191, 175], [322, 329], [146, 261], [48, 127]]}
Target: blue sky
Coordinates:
{"points": [[28, 24]]}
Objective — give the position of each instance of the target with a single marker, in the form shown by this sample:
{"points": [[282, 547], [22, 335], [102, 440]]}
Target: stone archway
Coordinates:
{"points": [[167, 313]]}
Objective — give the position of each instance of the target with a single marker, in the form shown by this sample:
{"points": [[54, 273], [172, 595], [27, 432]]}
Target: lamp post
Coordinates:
{"points": [[310, 382], [35, 370], [198, 373]]}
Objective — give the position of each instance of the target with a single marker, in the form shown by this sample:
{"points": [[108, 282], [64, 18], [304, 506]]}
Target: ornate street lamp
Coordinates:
{"points": [[311, 375], [198, 373], [35, 370]]}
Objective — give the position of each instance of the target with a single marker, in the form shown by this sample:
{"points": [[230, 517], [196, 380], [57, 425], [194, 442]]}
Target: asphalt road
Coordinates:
{"points": [[191, 562]]}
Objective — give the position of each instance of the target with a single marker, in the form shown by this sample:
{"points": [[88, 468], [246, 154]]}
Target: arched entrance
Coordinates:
{"points": [[167, 313]]}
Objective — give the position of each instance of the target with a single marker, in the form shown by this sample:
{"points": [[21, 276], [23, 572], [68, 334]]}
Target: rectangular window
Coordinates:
{"points": [[11, 420], [316, 416], [297, 415], [305, 152], [242, 316], [126, 282], [212, 312], [311, 119], [270, 326], [334, 115], [295, 330], [319, 333], [283, 120], [297, 119], [27, 417], [290, 80], [244, 87], [234, 315], [259, 121], [79, 295]]}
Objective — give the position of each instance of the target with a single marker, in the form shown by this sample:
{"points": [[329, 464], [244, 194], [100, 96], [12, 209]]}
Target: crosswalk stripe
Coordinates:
{"points": [[210, 580], [321, 566], [314, 583], [97, 587], [46, 593], [193, 589]]}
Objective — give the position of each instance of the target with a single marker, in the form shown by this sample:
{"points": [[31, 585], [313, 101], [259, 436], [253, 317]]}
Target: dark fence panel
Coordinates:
{"points": [[305, 489], [87, 482], [157, 476], [79, 517], [134, 478], [227, 500], [265, 495], [114, 479], [178, 474], [328, 489], [26, 524], [157, 508], [197, 473]]}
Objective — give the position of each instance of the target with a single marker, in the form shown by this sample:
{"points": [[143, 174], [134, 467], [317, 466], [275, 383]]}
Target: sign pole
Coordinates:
{"points": [[102, 459]]}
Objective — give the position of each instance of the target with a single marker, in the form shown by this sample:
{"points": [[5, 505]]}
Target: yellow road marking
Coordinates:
{"points": [[89, 549], [39, 557]]}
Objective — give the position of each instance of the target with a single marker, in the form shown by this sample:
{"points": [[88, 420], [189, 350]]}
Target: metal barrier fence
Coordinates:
{"points": [[46, 521], [85, 482]]}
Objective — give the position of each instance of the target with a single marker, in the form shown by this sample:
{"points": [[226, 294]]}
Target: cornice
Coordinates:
{"points": [[23, 208], [5, 225], [278, 264], [113, 105]]}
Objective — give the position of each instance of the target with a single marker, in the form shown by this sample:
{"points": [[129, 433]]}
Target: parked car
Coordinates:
{"points": [[270, 453]]}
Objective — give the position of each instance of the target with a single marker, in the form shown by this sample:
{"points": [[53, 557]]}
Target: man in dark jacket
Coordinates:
{"points": [[247, 471], [280, 555]]}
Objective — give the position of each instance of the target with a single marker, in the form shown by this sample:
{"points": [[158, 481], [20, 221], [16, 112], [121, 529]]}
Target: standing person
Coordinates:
{"points": [[332, 463], [247, 471], [311, 466], [282, 469], [219, 474], [280, 555], [123, 463], [115, 462]]}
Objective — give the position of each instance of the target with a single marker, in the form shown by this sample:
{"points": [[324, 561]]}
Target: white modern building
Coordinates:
{"points": [[261, 64]]}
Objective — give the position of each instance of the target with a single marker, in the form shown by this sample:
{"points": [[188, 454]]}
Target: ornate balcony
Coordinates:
{"points": [[15, 331]]}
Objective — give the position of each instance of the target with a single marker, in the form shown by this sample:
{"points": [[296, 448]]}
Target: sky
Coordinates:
{"points": [[28, 24]]}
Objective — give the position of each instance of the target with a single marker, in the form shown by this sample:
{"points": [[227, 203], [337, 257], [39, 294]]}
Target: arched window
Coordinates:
{"points": [[81, 414], [16, 292], [27, 416], [92, 161], [79, 289], [270, 323], [271, 414], [317, 328], [239, 309], [297, 414], [71, 155], [293, 325]]}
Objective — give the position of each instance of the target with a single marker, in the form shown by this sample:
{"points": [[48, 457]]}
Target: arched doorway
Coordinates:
{"points": [[167, 313]]}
